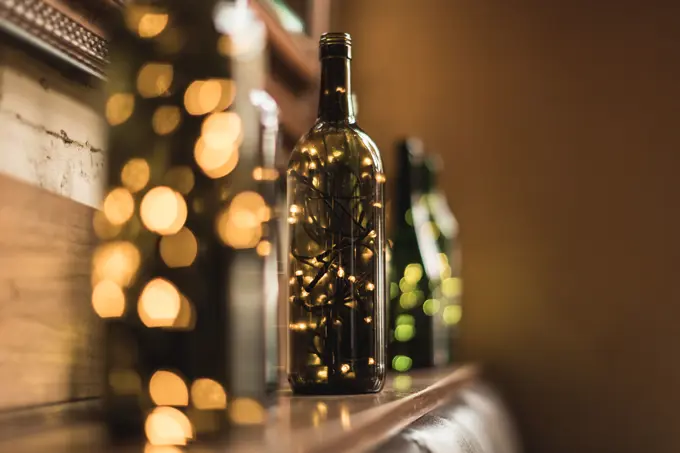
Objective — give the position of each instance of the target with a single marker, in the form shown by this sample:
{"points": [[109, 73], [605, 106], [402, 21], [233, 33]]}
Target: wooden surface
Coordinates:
{"points": [[294, 424], [49, 343]]}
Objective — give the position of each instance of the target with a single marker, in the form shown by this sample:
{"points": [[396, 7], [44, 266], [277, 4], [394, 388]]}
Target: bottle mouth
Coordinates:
{"points": [[335, 45], [335, 38]]}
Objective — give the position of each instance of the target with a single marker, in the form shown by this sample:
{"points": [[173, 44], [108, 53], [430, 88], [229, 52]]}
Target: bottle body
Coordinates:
{"points": [[171, 259], [418, 336], [336, 263]]}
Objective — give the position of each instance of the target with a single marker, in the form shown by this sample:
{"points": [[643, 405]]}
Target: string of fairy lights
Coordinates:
{"points": [[332, 221]]}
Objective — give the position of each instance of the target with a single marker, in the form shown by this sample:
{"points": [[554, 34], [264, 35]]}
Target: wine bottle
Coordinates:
{"points": [[337, 287], [417, 335], [177, 275], [446, 232]]}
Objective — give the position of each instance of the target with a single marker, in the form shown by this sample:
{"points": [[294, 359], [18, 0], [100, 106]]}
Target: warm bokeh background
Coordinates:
{"points": [[558, 124]]}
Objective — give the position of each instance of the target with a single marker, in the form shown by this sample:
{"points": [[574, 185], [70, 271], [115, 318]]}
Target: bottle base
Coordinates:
{"points": [[343, 387]]}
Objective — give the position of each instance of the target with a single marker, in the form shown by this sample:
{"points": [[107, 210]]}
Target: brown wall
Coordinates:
{"points": [[559, 126]]}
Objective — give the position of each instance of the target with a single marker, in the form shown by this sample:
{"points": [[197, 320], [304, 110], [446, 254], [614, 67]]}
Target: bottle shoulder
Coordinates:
{"points": [[337, 141]]}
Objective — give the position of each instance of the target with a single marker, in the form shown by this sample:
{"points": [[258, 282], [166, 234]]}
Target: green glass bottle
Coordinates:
{"points": [[417, 334], [178, 275], [337, 287], [446, 232]]}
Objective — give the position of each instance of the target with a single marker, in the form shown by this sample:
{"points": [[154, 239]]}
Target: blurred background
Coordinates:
{"points": [[556, 124]]}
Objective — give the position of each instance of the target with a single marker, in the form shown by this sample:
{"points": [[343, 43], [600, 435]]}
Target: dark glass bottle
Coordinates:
{"points": [[179, 272], [337, 288], [417, 335]]}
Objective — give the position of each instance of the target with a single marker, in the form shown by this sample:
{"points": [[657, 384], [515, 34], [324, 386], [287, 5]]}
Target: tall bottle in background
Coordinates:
{"points": [[417, 334], [337, 287], [178, 274], [446, 232]]}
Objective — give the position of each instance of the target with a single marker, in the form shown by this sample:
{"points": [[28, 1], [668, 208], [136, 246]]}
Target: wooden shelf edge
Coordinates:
{"points": [[379, 424]]}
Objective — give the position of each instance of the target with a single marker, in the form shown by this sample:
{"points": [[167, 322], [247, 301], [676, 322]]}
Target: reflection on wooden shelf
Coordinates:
{"points": [[324, 424]]}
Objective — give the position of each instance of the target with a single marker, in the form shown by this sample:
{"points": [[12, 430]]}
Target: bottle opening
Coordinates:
{"points": [[335, 45]]}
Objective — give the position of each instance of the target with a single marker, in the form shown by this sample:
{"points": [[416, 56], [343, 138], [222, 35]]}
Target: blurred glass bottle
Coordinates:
{"points": [[444, 228], [179, 273], [337, 243], [418, 337]]}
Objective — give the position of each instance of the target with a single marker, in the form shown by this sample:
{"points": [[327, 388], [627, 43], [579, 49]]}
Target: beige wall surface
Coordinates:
{"points": [[558, 124]]}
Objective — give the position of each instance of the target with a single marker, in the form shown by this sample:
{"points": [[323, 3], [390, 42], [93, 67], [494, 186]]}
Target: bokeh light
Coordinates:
{"points": [[108, 299], [239, 226], [159, 303], [404, 332], [206, 96], [135, 174], [102, 227], [413, 273], [154, 79], [119, 108], [452, 314], [119, 206], [452, 287], [207, 394], [402, 363], [264, 248], [168, 426], [165, 119], [115, 261], [145, 21], [215, 162], [186, 319], [163, 210], [166, 388], [222, 130], [246, 411], [179, 250], [402, 383], [431, 307]]}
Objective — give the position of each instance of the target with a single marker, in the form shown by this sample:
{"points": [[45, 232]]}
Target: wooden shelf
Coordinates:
{"points": [[330, 424]]}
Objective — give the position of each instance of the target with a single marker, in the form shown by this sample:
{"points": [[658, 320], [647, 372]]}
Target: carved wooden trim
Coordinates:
{"points": [[49, 27]]}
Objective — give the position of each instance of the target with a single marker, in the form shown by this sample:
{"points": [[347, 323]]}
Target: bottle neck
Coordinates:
{"points": [[335, 98], [408, 182]]}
